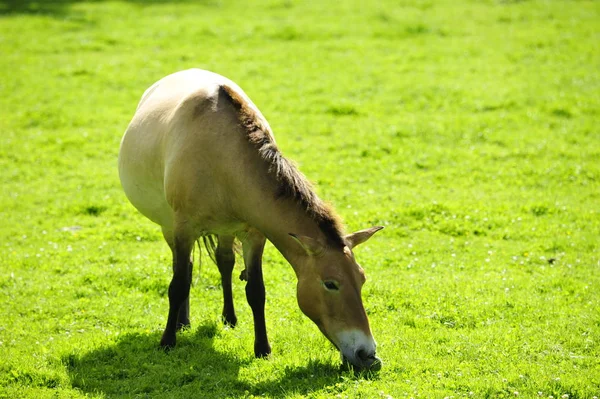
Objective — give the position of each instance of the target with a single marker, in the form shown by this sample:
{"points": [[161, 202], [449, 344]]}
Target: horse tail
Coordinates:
{"points": [[210, 243]]}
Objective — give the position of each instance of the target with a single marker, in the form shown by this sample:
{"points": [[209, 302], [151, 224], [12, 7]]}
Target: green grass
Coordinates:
{"points": [[470, 129]]}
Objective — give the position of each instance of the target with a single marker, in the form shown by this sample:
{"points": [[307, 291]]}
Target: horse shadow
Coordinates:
{"points": [[136, 366], [58, 8]]}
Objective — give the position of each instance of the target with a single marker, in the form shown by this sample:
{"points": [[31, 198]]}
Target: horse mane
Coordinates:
{"points": [[292, 184]]}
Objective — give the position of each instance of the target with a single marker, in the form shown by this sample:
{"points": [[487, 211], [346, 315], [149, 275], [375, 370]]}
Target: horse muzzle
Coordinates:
{"points": [[362, 361], [358, 351]]}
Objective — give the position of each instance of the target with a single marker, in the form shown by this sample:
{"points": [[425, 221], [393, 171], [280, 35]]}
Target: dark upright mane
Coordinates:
{"points": [[291, 182]]}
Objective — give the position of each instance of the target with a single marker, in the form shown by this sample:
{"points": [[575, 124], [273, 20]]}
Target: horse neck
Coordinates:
{"points": [[277, 218]]}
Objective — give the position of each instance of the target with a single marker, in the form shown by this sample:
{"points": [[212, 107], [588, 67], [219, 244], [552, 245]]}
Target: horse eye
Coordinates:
{"points": [[331, 285]]}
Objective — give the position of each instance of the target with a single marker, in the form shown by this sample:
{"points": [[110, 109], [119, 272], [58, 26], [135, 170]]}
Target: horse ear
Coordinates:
{"points": [[361, 236], [310, 245]]}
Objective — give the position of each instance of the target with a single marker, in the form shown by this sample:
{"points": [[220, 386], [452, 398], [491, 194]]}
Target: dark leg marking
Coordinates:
{"points": [[179, 289], [225, 262], [253, 245], [183, 317]]}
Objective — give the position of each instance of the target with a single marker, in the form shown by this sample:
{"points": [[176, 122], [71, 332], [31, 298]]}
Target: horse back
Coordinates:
{"points": [[184, 151]]}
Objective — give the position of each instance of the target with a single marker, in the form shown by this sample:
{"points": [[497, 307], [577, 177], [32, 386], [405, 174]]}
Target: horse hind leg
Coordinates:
{"points": [[225, 258], [181, 243], [183, 317]]}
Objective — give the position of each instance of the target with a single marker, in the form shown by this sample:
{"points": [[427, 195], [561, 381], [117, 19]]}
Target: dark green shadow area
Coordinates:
{"points": [[136, 367], [61, 7]]}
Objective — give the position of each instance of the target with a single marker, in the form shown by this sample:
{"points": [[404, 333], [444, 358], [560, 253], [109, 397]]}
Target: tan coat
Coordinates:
{"points": [[198, 158]]}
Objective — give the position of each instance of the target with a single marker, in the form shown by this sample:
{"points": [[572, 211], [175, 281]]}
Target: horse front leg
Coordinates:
{"points": [[253, 244], [179, 288], [225, 261]]}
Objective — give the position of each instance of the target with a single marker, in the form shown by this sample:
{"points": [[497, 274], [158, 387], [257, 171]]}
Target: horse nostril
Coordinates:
{"points": [[363, 355], [364, 360]]}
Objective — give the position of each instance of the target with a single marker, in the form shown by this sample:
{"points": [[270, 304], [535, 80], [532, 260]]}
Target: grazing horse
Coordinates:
{"points": [[199, 159]]}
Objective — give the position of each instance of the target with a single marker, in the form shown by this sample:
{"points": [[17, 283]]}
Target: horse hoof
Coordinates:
{"points": [[229, 321], [166, 348], [167, 343], [182, 326], [262, 353]]}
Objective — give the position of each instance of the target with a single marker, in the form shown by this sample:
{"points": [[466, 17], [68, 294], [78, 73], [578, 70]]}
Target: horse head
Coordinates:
{"points": [[329, 293]]}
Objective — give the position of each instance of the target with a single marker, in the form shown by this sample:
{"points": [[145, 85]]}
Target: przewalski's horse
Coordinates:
{"points": [[199, 159]]}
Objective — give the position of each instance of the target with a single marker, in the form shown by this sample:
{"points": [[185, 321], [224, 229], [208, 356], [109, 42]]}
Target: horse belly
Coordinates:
{"points": [[142, 175], [165, 195], [197, 191]]}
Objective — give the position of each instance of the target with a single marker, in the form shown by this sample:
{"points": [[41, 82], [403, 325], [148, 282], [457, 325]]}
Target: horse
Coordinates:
{"points": [[200, 160]]}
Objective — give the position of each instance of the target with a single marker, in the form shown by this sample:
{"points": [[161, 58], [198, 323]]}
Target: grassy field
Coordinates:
{"points": [[470, 129]]}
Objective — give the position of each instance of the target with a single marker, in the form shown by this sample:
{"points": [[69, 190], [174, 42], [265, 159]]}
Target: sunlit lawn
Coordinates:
{"points": [[468, 128]]}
